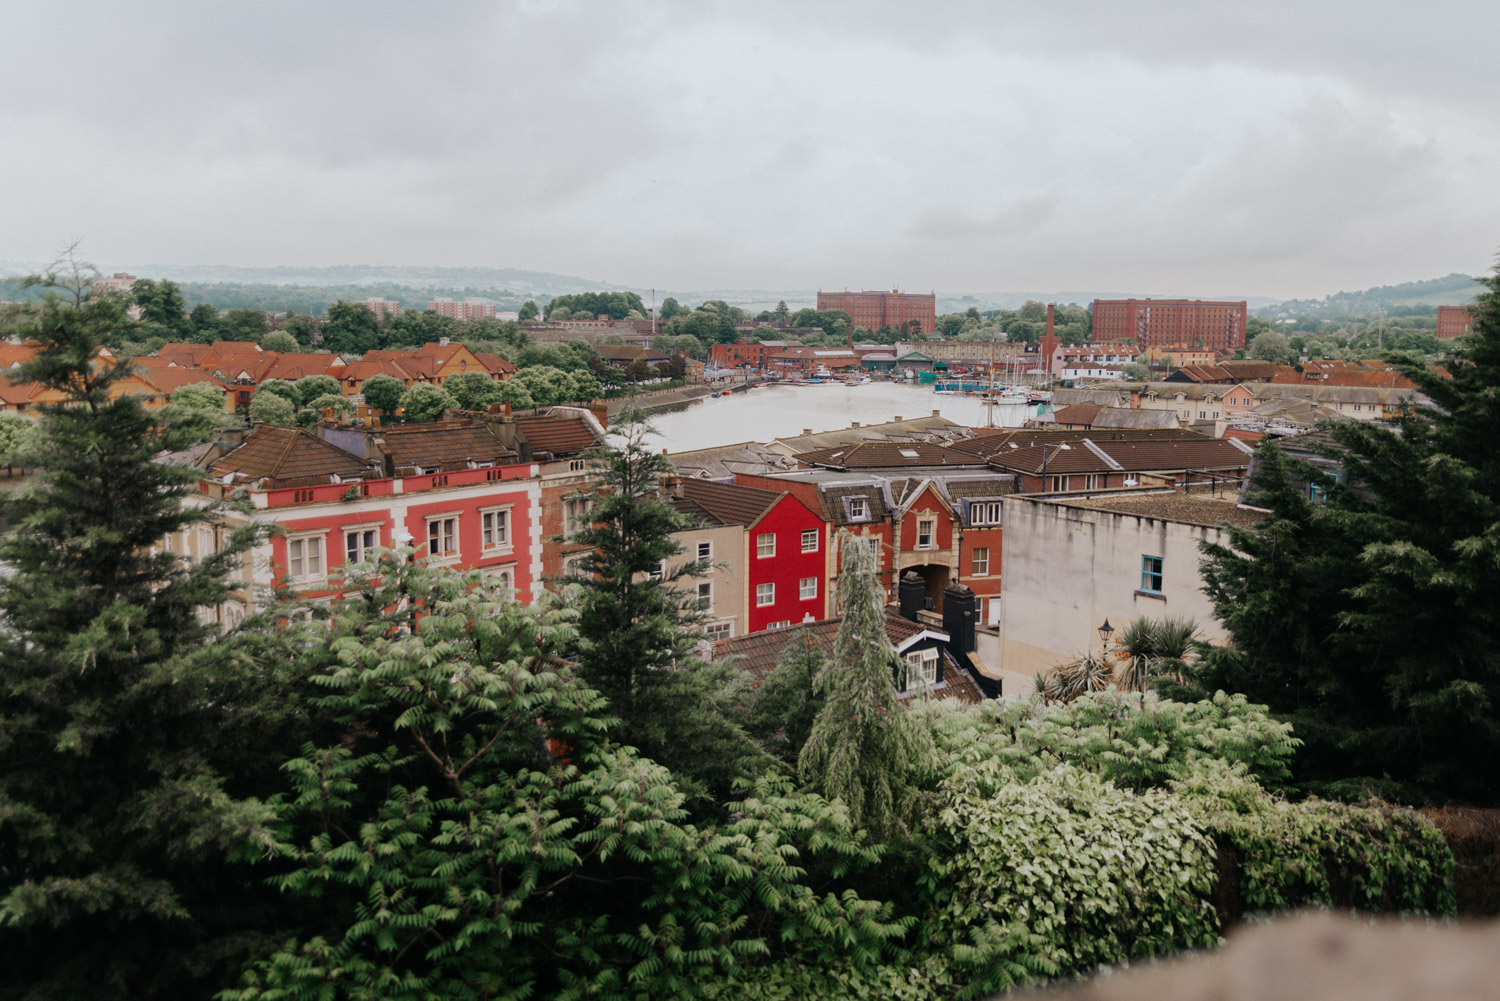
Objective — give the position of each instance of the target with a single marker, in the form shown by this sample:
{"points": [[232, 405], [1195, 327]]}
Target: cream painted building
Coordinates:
{"points": [[722, 591], [1071, 562]]}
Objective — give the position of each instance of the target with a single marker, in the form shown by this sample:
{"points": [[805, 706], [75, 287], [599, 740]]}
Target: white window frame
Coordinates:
{"points": [[921, 668], [1059, 483], [720, 630], [810, 541], [576, 511], [874, 543], [765, 545], [659, 573], [1091, 481], [705, 550], [706, 595], [576, 566], [301, 540], [986, 512], [979, 566], [765, 595], [783, 624], [361, 547], [928, 527], [446, 555], [859, 508], [495, 521], [807, 589]]}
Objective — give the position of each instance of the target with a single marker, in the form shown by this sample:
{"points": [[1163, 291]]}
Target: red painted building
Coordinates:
{"points": [[1150, 323], [783, 549], [1454, 321], [905, 311]]}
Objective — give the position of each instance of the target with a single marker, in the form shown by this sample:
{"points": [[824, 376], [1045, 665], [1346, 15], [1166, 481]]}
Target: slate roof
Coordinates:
{"points": [[562, 436], [1184, 507], [287, 457], [757, 654], [1077, 413], [887, 455], [720, 503], [1124, 417], [917, 428], [832, 498], [723, 462]]}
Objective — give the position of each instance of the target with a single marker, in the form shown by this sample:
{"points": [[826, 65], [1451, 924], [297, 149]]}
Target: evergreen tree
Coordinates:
{"points": [[126, 740], [1368, 616], [865, 747], [780, 713], [638, 630]]}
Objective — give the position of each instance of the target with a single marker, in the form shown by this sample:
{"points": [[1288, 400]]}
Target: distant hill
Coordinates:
{"points": [[514, 280], [1423, 296]]}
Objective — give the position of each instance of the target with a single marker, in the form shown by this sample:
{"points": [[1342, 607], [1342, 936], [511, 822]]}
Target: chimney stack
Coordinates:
{"points": [[960, 611], [911, 594], [937, 413]]}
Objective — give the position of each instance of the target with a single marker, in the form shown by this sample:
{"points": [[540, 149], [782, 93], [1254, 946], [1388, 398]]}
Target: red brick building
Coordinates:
{"points": [[910, 312], [1454, 321], [444, 306], [1194, 323]]}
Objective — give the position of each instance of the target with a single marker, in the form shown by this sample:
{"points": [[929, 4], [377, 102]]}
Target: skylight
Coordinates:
{"points": [[910, 453]]}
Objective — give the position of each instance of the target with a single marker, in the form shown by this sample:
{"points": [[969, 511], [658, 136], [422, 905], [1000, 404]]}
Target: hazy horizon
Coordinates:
{"points": [[1282, 150]]}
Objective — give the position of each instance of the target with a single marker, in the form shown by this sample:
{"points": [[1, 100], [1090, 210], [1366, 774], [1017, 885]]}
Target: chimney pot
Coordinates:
{"points": [[807, 430], [854, 424], [937, 413], [897, 418]]}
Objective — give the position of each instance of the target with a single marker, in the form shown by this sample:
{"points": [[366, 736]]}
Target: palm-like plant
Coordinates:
{"points": [[1088, 672], [1150, 648]]}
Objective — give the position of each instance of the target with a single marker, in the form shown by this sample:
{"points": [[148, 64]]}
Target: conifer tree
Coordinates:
{"points": [[125, 742], [865, 748], [638, 630], [1368, 616]]}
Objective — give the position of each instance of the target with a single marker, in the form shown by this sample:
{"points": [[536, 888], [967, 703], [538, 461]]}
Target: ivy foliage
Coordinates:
{"points": [[475, 833]]}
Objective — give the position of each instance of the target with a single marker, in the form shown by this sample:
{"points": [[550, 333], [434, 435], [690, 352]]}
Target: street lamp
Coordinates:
{"points": [[1105, 632]]}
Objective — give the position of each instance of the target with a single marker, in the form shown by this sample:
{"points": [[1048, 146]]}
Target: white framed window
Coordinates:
{"points": [[765, 545], [783, 624], [859, 508], [926, 533], [921, 668], [658, 572], [807, 588], [705, 550], [494, 528], [359, 540], [986, 513], [576, 511], [706, 595], [810, 541], [442, 537], [577, 566], [505, 578], [1091, 481], [720, 631], [765, 594], [304, 557], [1059, 483], [874, 542], [980, 565]]}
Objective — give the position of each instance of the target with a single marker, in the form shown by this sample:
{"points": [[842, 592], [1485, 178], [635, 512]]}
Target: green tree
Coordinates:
{"points": [[425, 402], [203, 397], [127, 737], [1153, 648], [585, 387], [245, 325], [281, 388], [383, 392], [865, 747], [1363, 609], [780, 713], [528, 311], [162, 305], [670, 307], [1270, 346], [309, 387], [271, 408], [516, 394], [17, 434], [637, 629], [205, 321], [281, 342], [303, 329], [547, 386], [472, 390], [472, 830], [334, 400], [350, 328]]}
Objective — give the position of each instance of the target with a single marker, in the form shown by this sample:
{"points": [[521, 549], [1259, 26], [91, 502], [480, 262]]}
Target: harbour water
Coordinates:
{"points": [[778, 411]]}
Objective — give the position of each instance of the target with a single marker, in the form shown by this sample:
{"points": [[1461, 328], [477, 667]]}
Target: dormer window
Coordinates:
{"points": [[921, 668], [858, 507]]}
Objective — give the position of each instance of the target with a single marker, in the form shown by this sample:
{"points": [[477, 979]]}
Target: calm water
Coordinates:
{"points": [[780, 411]]}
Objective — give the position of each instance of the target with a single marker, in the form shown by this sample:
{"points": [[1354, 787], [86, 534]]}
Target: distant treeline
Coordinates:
{"points": [[1406, 299], [316, 299]]}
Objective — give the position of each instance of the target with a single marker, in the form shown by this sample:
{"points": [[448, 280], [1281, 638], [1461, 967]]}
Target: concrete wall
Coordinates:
{"points": [[1067, 569]]}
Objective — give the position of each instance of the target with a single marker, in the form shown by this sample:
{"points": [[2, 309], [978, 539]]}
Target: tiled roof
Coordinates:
{"points": [[720, 503], [293, 366], [496, 364], [833, 499], [757, 654], [236, 347], [366, 368], [918, 428], [283, 457], [1194, 452], [170, 380], [1078, 413], [562, 436], [445, 444]]}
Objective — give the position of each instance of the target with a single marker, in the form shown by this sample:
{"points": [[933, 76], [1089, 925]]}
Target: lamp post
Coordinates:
{"points": [[1105, 632]]}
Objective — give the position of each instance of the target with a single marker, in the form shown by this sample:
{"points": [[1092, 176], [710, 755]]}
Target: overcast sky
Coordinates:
{"points": [[1281, 147]]}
